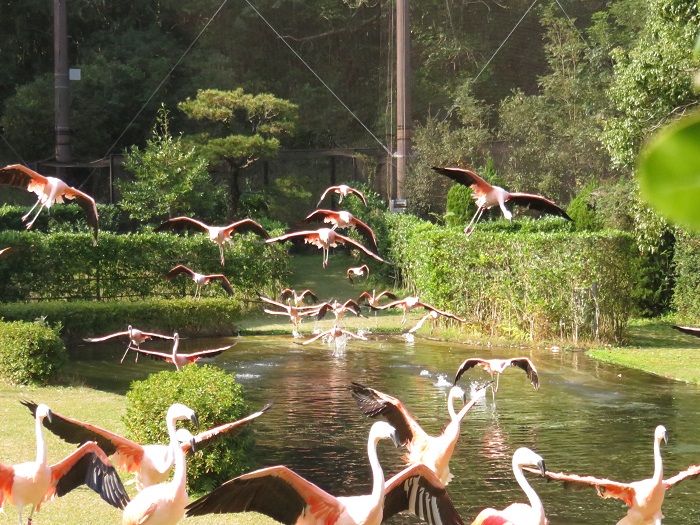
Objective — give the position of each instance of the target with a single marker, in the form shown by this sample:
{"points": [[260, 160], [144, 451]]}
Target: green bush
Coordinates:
{"points": [[582, 210], [78, 319], [68, 217], [216, 398], [460, 206], [30, 352], [686, 259], [132, 266], [532, 285]]}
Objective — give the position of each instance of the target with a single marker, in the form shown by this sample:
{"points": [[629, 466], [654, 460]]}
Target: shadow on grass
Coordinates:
{"points": [[656, 333]]}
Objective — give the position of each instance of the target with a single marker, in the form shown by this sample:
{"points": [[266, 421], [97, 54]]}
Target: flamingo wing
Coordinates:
{"points": [[90, 466], [7, 477], [359, 194], [374, 403], [309, 235], [227, 429], [88, 205], [21, 177], [367, 233], [420, 323], [323, 196], [317, 337], [213, 352], [180, 268], [354, 335], [104, 337], [271, 301], [180, 224], [465, 177], [321, 216], [529, 368], [466, 365], [158, 336], [225, 283], [388, 294], [309, 293], [491, 517], [537, 202], [691, 472], [353, 243], [690, 330], [277, 492], [418, 490], [5, 250], [322, 310], [127, 455], [353, 306], [245, 226], [153, 354], [606, 488]]}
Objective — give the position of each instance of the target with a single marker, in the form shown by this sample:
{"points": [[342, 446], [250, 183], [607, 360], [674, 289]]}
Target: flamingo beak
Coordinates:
{"points": [[192, 445], [543, 469], [49, 416], [194, 420], [395, 438], [665, 436]]}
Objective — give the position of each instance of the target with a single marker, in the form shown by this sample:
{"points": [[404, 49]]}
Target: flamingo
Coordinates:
{"points": [[180, 360], [297, 298], [49, 190], [150, 463], [433, 451], [285, 496], [372, 299], [358, 271], [488, 196], [409, 303], [644, 498], [136, 337], [343, 190], [689, 330], [333, 334], [344, 219], [497, 367], [295, 313], [338, 309], [218, 234], [164, 503], [325, 238], [5, 250], [35, 482], [200, 279], [519, 513], [434, 315]]}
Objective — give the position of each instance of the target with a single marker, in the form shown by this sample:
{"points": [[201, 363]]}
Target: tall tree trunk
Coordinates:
{"points": [[234, 195]]}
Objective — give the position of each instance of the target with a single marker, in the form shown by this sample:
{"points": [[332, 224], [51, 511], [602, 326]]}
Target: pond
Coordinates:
{"points": [[587, 417]]}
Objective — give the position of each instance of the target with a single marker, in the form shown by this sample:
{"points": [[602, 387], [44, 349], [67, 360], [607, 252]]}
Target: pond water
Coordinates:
{"points": [[587, 418]]}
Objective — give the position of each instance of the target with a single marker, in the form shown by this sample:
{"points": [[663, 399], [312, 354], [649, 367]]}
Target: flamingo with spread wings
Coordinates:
{"points": [[49, 190], [358, 271], [285, 496], [218, 234], [488, 196], [298, 299], [688, 330], [343, 190], [200, 279], [180, 360], [496, 367], [409, 303], [433, 451], [295, 313], [333, 334], [35, 482], [136, 337], [644, 498], [344, 219]]}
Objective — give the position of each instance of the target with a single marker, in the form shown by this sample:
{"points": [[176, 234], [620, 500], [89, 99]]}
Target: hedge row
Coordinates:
{"points": [[132, 266], [686, 259], [30, 352], [78, 319], [536, 286]]}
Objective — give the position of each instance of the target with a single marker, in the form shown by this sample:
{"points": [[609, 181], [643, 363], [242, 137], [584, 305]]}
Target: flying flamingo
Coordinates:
{"points": [[200, 279], [343, 190], [150, 463], [325, 238], [180, 360], [644, 498], [519, 513], [338, 309], [283, 495], [164, 504], [496, 367], [333, 334], [488, 196], [295, 313], [433, 451], [409, 303], [434, 315], [372, 299], [49, 190], [136, 337], [35, 482], [358, 271], [689, 330], [218, 234], [344, 219], [297, 298]]}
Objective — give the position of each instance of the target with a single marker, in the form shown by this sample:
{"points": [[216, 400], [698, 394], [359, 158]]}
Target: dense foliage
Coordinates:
{"points": [[686, 298], [132, 266], [215, 397], [30, 352]]}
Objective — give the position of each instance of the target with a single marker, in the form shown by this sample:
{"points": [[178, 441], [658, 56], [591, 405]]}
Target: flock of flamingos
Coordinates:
{"points": [[278, 491]]}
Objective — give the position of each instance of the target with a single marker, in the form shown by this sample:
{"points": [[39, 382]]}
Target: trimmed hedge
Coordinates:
{"points": [[78, 319], [536, 286], [132, 266], [216, 398], [686, 259], [30, 352]]}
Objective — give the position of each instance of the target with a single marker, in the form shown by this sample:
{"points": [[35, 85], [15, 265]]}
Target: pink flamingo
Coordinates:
{"points": [[488, 196], [218, 234], [358, 271], [49, 190], [409, 303], [35, 482], [434, 315], [497, 367], [344, 219], [338, 309], [325, 238], [200, 279], [372, 299], [295, 313], [180, 360], [136, 337], [297, 298], [333, 334], [343, 190]]}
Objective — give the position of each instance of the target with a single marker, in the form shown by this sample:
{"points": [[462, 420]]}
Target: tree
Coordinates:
{"points": [[170, 176], [241, 130]]}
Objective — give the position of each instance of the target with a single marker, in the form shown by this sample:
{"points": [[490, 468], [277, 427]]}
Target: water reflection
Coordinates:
{"points": [[587, 418]]}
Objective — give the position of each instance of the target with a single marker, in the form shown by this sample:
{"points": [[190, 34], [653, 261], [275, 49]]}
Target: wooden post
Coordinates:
{"points": [[61, 94], [403, 94]]}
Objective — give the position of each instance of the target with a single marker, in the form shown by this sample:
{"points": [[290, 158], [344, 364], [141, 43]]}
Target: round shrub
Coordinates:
{"points": [[30, 352], [216, 398], [460, 206]]}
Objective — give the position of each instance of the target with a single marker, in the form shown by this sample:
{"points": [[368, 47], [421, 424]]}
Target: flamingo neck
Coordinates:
{"points": [[40, 443], [179, 480], [377, 473], [658, 463], [451, 407], [532, 496]]}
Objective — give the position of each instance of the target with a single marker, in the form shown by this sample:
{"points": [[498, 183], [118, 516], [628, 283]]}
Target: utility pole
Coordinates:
{"points": [[404, 122], [61, 94]]}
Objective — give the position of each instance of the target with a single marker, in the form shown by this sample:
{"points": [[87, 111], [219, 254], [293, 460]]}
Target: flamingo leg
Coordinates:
{"points": [[24, 217], [31, 513], [31, 223], [221, 252], [477, 216], [326, 252], [126, 352]]}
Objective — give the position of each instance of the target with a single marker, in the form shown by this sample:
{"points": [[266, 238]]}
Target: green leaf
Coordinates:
{"points": [[669, 172]]}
